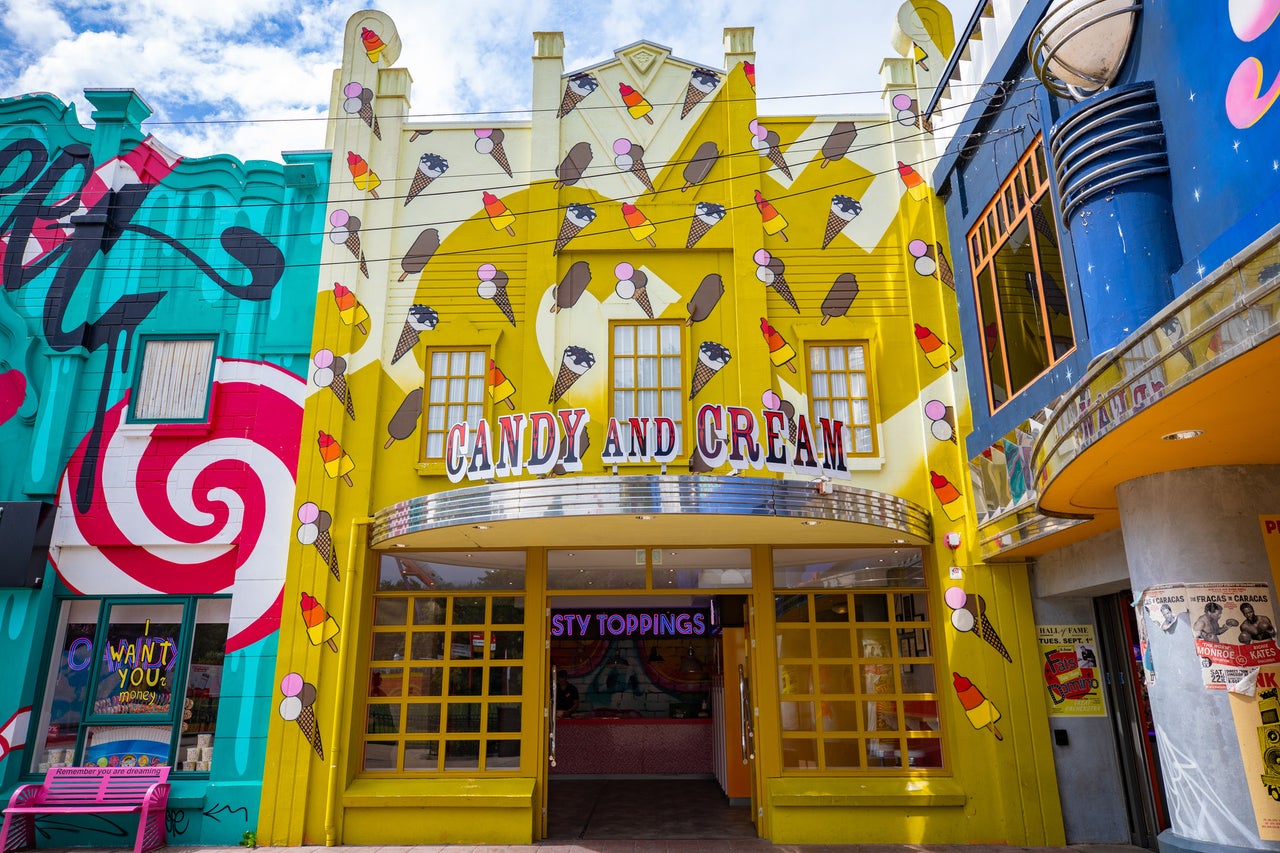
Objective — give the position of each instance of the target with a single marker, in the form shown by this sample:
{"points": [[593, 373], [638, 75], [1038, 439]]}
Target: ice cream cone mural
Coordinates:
{"points": [[359, 101], [489, 141], [493, 285], [346, 232], [321, 627], [702, 82], [772, 401], [313, 529], [633, 284], [636, 105], [948, 495], [944, 268], [695, 171], [780, 352], [937, 351], [570, 170], [838, 142], [499, 217], [571, 287], [925, 261], [584, 442], [638, 224], [373, 44], [298, 706], [500, 388], [350, 311], [405, 420], [749, 71], [908, 112], [365, 179], [336, 461], [331, 373], [698, 465], [578, 87], [705, 298], [573, 363], [629, 157], [770, 218], [576, 217], [920, 56], [423, 249], [712, 357], [969, 612], [840, 297], [942, 420], [981, 712], [705, 216], [766, 142], [430, 167], [911, 179], [413, 137], [420, 319], [842, 212], [772, 271]]}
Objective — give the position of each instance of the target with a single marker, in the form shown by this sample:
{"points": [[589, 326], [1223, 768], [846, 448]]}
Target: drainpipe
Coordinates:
{"points": [[355, 563]]}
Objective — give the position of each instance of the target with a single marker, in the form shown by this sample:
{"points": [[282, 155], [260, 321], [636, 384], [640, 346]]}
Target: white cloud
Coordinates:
{"points": [[229, 62]]}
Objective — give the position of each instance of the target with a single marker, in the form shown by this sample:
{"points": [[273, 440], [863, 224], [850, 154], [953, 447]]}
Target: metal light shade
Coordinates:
{"points": [[690, 665], [1079, 46]]}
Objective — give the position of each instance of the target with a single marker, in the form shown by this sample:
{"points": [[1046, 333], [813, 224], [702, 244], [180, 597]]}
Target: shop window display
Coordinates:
{"points": [[133, 683], [446, 664], [857, 688]]}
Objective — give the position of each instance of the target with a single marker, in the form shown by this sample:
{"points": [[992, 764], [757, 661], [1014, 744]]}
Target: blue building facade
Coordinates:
{"points": [[1113, 175], [154, 326]]}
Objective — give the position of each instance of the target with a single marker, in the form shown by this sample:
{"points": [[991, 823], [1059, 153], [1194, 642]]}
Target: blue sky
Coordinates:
{"points": [[252, 77]]}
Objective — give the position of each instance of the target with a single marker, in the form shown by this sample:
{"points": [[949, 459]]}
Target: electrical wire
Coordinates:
{"points": [[115, 271]]}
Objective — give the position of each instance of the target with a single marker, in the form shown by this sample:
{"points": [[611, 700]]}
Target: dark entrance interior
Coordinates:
{"points": [[643, 809]]}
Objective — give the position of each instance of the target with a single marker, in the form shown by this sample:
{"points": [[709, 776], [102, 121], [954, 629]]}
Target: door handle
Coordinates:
{"points": [[744, 721], [551, 728]]}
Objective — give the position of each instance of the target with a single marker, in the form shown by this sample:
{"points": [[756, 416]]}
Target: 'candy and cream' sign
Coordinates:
{"points": [[537, 443]]}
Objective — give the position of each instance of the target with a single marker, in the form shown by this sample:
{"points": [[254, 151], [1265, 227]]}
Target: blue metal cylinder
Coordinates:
{"points": [[1112, 172]]}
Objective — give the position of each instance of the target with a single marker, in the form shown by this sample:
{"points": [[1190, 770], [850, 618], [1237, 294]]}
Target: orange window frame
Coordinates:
{"points": [[1012, 202]]}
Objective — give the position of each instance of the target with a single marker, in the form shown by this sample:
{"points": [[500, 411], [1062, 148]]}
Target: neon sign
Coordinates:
{"points": [[682, 622]]}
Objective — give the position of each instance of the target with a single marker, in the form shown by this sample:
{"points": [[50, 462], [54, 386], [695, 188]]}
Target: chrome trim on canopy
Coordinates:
{"points": [[649, 495]]}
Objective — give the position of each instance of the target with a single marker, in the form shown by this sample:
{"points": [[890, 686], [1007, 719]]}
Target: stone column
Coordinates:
{"points": [[1195, 526]]}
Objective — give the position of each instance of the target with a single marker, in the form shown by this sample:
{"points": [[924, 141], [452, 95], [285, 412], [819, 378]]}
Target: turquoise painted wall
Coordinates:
{"points": [[107, 238]]}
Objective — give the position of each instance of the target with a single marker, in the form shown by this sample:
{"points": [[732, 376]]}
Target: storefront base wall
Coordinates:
{"points": [[870, 811], [439, 811]]}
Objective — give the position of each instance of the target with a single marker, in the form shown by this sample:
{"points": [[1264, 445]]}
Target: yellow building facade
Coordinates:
{"points": [[662, 394]]}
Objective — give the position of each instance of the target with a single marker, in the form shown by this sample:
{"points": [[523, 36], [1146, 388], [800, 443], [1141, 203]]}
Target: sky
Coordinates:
{"points": [[251, 78]]}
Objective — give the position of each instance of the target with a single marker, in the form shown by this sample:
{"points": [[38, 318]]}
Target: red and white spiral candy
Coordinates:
{"points": [[183, 511]]}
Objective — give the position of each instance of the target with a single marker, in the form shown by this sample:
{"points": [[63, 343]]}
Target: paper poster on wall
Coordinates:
{"points": [[1071, 671], [1257, 721], [1164, 604], [1234, 630], [1271, 541]]}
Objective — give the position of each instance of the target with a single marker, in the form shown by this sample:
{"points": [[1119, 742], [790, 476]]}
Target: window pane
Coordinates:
{"points": [[129, 745], [422, 719], [426, 681], [605, 569], [647, 340], [841, 754], [463, 717], [388, 647], [502, 755], [462, 755], [422, 755], [799, 754], [204, 684], [624, 340], [390, 611], [797, 717], [427, 645], [830, 568], [136, 675], [382, 719], [386, 681], [380, 755], [173, 382], [504, 717], [506, 681], [67, 687]]}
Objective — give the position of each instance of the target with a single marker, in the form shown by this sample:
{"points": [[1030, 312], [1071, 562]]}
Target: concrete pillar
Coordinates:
{"points": [[1194, 526]]}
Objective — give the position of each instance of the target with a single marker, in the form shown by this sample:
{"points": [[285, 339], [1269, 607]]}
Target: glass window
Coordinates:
{"points": [[455, 393], [647, 375], [174, 378], [112, 685], [604, 569], [856, 682], [1020, 287], [445, 673], [840, 390]]}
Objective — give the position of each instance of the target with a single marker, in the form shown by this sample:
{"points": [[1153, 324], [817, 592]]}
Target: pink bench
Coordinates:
{"points": [[90, 790]]}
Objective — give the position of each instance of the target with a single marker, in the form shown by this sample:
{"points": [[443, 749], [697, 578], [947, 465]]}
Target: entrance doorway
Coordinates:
{"points": [[638, 736], [1131, 718]]}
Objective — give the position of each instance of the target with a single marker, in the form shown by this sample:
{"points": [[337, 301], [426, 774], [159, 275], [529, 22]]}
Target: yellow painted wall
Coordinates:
{"points": [[1005, 789]]}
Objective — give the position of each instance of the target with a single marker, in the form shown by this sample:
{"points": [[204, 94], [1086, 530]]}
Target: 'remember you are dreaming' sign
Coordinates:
{"points": [[538, 442]]}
